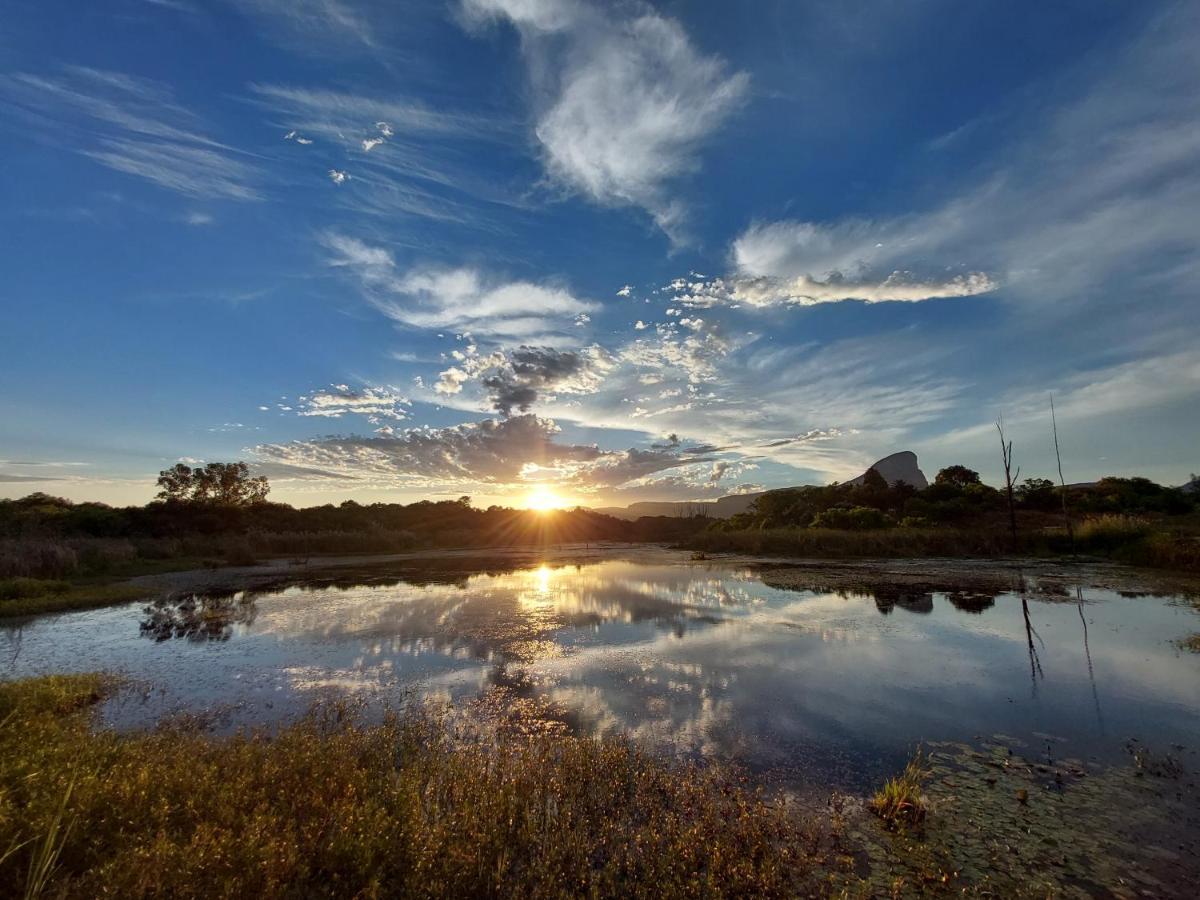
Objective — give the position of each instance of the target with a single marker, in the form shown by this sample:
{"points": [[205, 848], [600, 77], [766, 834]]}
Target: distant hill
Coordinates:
{"points": [[721, 508], [900, 466]]}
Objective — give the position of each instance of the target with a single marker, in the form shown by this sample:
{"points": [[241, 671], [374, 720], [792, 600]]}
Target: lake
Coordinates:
{"points": [[799, 678]]}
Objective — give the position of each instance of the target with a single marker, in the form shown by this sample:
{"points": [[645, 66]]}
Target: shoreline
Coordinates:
{"points": [[1046, 577]]}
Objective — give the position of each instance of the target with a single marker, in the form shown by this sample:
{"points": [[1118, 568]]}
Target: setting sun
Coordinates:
{"points": [[543, 499]]}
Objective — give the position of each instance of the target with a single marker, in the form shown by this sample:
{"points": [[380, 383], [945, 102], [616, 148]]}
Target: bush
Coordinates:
{"points": [[858, 518], [37, 559]]}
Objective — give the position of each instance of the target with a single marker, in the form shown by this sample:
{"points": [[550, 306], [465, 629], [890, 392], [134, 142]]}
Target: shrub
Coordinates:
{"points": [[859, 518]]}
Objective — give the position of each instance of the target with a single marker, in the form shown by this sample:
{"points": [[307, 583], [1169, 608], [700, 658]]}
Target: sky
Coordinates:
{"points": [[603, 252]]}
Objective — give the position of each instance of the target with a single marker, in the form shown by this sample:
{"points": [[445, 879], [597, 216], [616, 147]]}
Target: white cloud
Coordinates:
{"points": [[341, 399], [460, 300], [624, 97]]}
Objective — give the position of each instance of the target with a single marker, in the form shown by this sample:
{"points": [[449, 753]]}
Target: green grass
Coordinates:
{"points": [[31, 596], [332, 807]]}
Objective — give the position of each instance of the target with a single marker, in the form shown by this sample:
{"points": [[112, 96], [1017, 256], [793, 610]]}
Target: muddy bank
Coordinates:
{"points": [[1045, 579]]}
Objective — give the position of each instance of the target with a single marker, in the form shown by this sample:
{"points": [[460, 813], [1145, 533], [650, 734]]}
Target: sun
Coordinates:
{"points": [[543, 499]]}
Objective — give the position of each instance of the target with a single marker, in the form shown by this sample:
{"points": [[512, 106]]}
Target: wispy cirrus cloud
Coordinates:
{"points": [[624, 98], [401, 155], [315, 22], [131, 125]]}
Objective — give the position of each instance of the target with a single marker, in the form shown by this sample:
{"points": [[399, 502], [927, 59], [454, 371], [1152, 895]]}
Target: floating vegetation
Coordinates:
{"points": [[1008, 825]]}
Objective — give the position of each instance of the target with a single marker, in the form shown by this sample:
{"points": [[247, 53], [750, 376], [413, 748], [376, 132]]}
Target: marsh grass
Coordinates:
{"points": [[901, 802], [333, 807], [1191, 643], [31, 596]]}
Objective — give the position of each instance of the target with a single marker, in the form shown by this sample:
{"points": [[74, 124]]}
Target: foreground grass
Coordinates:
{"points": [[328, 807], [32, 596]]}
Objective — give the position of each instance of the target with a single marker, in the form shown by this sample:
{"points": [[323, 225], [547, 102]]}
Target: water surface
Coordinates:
{"points": [[695, 659]]}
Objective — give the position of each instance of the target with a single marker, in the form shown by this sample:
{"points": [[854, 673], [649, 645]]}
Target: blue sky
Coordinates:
{"points": [[623, 251]]}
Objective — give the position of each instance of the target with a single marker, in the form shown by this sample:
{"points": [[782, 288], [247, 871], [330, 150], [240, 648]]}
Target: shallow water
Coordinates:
{"points": [[689, 658]]}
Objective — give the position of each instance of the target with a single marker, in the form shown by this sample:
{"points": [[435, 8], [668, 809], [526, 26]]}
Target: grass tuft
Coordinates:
{"points": [[901, 801]]}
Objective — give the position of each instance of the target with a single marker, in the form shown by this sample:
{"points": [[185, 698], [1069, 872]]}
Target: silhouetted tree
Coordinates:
{"points": [[225, 484], [957, 476], [1037, 493]]}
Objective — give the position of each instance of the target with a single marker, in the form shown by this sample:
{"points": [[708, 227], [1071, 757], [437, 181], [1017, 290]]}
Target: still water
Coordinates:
{"points": [[694, 659]]}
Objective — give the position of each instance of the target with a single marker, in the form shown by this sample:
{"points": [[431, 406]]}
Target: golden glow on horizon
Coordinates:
{"points": [[543, 499]]}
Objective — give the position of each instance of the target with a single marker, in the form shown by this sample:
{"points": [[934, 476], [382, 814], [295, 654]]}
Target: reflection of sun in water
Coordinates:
{"points": [[543, 499]]}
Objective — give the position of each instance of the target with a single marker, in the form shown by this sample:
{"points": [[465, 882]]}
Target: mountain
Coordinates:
{"points": [[900, 466], [721, 508]]}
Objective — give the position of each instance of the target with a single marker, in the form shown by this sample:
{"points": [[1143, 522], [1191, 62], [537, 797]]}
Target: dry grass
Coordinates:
{"points": [[331, 807]]}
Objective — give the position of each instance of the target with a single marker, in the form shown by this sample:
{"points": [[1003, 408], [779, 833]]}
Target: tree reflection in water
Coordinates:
{"points": [[199, 617]]}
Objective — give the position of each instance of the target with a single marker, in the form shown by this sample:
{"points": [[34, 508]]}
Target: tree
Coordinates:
{"points": [[224, 484], [1038, 493], [1006, 454], [176, 483], [957, 476]]}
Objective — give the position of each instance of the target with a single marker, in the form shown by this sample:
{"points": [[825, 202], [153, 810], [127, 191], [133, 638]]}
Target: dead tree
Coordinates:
{"points": [[1009, 478], [1062, 481]]}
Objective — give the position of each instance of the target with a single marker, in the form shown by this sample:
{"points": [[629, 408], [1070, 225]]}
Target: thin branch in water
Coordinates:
{"points": [[1061, 480], [1006, 454]]}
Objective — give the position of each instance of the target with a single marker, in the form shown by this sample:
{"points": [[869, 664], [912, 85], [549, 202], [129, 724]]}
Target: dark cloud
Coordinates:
{"points": [[530, 371]]}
